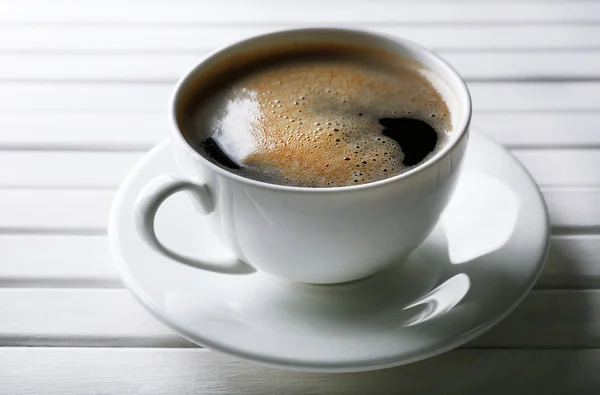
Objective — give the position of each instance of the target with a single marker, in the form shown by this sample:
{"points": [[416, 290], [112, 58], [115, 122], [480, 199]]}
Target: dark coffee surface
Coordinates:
{"points": [[318, 116]]}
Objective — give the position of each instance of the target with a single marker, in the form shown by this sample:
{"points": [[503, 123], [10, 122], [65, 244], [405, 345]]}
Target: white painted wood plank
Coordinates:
{"points": [[102, 97], [51, 169], [313, 12], [573, 262], [75, 371], [539, 129], [139, 131], [81, 130], [80, 317], [555, 65], [77, 261], [171, 38], [113, 318], [85, 169], [549, 318], [473, 66], [562, 167], [569, 208], [31, 210], [119, 67], [534, 96], [56, 261], [85, 97], [78, 211]]}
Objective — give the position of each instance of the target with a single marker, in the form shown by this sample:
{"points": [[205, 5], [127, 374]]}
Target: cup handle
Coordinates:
{"points": [[150, 198]]}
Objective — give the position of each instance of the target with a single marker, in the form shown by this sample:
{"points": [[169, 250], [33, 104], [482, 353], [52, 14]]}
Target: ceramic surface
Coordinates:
{"points": [[313, 235]]}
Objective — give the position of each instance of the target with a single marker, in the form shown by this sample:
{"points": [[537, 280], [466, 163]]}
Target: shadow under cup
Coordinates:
{"points": [[335, 234]]}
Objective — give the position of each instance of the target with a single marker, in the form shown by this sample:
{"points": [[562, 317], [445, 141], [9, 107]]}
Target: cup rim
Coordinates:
{"points": [[459, 88]]}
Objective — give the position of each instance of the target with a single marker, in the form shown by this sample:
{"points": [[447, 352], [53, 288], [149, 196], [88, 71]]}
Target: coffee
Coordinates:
{"points": [[319, 115]]}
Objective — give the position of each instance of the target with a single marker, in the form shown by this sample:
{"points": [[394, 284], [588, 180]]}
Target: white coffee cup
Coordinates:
{"points": [[313, 235]]}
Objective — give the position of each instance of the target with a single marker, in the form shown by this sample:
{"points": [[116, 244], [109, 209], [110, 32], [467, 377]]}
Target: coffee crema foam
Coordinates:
{"points": [[315, 115]]}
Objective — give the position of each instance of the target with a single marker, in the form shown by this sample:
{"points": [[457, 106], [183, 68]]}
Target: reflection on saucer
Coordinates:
{"points": [[441, 300], [480, 219]]}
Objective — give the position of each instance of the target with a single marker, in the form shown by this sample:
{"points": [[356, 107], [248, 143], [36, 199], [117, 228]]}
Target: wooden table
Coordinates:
{"points": [[84, 88]]}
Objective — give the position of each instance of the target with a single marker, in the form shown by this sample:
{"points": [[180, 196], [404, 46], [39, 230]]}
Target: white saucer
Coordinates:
{"points": [[479, 262]]}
